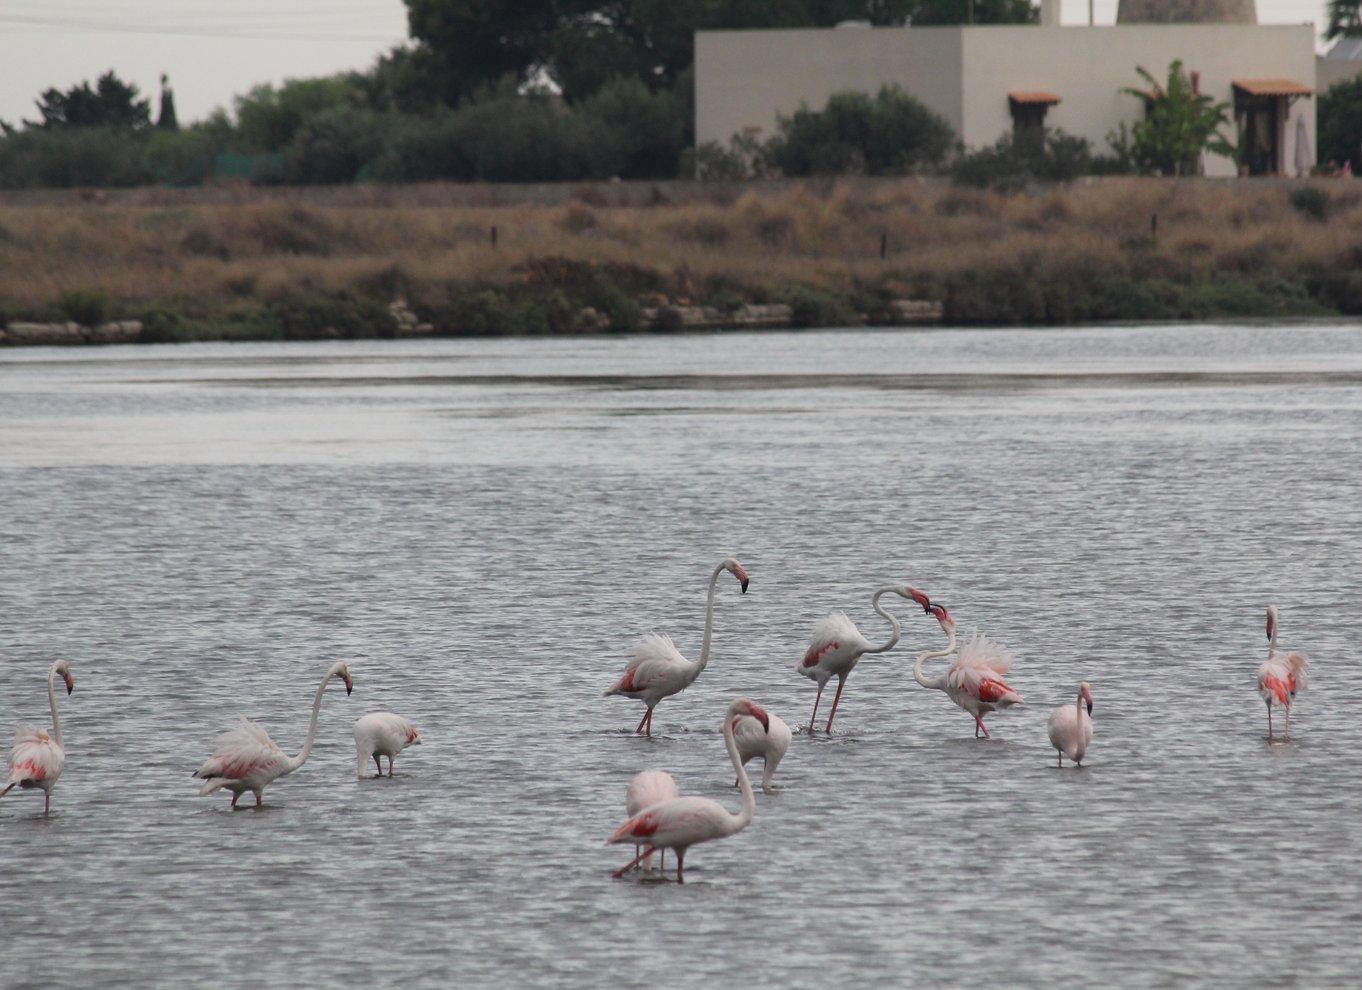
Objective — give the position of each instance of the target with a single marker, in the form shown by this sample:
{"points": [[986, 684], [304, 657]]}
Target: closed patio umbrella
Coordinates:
{"points": [[1304, 159]]}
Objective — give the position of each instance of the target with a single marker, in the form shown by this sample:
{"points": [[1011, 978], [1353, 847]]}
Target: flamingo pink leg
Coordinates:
{"points": [[979, 724], [259, 798], [1286, 733], [647, 850], [814, 717], [235, 795], [841, 683], [1269, 720], [645, 722], [680, 862], [47, 798]]}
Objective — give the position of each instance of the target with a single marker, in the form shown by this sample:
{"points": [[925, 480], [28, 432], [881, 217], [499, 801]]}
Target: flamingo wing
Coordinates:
{"points": [[978, 672], [647, 789], [1280, 676], [678, 822], [245, 750], [386, 732], [834, 638], [35, 758], [656, 662]]}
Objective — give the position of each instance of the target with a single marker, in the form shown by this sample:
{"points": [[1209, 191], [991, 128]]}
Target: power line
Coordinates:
{"points": [[207, 31]]}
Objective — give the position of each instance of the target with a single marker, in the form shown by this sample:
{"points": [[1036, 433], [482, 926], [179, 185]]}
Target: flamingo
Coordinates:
{"points": [[1071, 727], [37, 758], [380, 734], [645, 790], [1280, 676], [658, 669], [974, 681], [247, 759], [837, 645], [769, 741], [681, 822]]}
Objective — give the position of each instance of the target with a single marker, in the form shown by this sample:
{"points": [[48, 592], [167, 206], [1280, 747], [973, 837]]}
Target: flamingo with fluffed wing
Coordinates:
{"points": [[658, 669], [245, 758], [38, 757], [974, 679]]}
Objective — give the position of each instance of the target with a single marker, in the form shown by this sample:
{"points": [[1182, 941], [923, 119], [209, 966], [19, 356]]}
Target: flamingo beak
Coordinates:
{"points": [[1089, 706], [741, 575], [70, 683], [349, 684], [921, 599]]}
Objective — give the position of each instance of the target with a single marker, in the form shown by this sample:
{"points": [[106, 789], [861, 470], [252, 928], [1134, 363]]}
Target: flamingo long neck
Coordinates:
{"points": [[296, 761], [52, 700], [1078, 708], [703, 662], [893, 621], [939, 681], [738, 822], [1272, 639]]}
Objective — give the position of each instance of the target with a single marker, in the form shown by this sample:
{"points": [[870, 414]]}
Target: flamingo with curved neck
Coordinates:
{"points": [[1070, 727], [658, 669], [837, 645], [247, 759], [681, 822], [1280, 676], [974, 680], [38, 757]]}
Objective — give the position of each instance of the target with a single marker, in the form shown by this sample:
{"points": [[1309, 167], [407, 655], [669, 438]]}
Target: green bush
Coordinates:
{"points": [[87, 307], [812, 307], [487, 311], [891, 133], [1019, 158], [326, 317], [74, 156], [1340, 122]]}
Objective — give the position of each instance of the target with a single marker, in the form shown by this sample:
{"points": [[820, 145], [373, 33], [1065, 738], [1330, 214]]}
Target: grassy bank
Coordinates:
{"points": [[495, 259]]}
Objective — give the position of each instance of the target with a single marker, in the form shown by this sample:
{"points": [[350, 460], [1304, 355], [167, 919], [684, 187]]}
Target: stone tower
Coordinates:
{"points": [[1186, 12]]}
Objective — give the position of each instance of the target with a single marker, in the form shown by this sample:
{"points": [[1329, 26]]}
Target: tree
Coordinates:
{"points": [[1345, 19], [166, 119], [1340, 124], [891, 133], [939, 12], [112, 103], [1179, 125]]}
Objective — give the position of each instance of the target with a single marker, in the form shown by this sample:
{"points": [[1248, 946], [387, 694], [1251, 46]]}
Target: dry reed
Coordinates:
{"points": [[223, 248]]}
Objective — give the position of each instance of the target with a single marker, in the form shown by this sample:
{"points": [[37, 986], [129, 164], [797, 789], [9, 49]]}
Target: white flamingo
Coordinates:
{"points": [[837, 645], [1280, 676], [658, 669], [38, 758], [770, 742], [1071, 727], [247, 759], [681, 822], [380, 734], [645, 790], [974, 681]]}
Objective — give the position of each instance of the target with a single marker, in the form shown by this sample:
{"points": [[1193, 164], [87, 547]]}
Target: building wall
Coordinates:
{"points": [[745, 78]]}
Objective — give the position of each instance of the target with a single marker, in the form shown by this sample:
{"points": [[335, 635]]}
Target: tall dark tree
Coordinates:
{"points": [[1345, 19], [112, 103], [166, 119]]}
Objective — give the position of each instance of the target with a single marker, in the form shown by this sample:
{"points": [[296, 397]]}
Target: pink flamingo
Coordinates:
{"points": [[380, 734], [645, 790], [37, 758], [658, 669], [247, 759], [681, 822], [974, 681], [770, 741], [837, 645], [1071, 727], [1280, 676]]}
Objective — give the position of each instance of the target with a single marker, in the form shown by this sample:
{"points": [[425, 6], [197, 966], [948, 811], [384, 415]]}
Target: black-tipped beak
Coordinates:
{"points": [[1089, 707], [744, 586], [70, 686]]}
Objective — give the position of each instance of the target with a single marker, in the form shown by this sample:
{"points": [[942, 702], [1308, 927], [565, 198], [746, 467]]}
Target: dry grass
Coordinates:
{"points": [[223, 248]]}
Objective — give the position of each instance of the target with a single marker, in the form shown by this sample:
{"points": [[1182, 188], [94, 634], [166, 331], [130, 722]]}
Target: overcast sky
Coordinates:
{"points": [[214, 50]]}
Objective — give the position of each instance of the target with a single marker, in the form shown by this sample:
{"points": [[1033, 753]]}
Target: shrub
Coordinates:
{"points": [[812, 307], [76, 156], [88, 307], [1340, 122], [1312, 201], [891, 133], [321, 317]]}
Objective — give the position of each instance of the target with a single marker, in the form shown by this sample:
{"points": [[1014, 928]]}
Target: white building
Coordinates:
{"points": [[986, 81]]}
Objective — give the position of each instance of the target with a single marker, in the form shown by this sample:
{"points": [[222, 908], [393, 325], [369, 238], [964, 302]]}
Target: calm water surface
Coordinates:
{"points": [[481, 529]]}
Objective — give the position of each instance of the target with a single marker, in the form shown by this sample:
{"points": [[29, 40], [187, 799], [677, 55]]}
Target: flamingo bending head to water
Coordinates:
{"points": [[247, 759], [681, 822], [770, 741], [974, 679], [38, 757], [658, 669], [1071, 727], [646, 789], [380, 734], [837, 645], [1280, 676]]}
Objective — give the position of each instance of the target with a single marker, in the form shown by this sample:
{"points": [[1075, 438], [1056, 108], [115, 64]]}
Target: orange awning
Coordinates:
{"points": [[1272, 87], [1033, 96]]}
